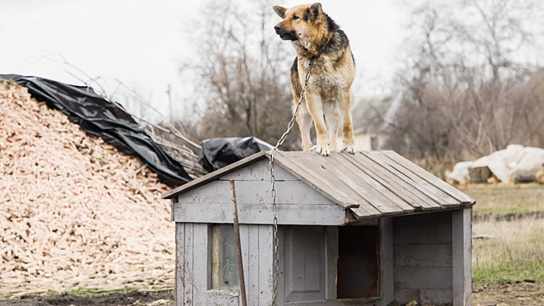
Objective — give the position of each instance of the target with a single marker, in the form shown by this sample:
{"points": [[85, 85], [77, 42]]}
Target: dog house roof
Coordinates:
{"points": [[372, 184]]}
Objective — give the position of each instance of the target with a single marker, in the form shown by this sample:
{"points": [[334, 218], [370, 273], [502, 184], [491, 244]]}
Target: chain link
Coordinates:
{"points": [[275, 239]]}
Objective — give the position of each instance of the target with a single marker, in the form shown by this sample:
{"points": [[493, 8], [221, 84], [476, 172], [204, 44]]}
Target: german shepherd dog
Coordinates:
{"points": [[320, 41]]}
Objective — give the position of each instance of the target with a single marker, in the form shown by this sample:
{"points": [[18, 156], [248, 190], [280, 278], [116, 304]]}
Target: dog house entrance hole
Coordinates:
{"points": [[358, 264]]}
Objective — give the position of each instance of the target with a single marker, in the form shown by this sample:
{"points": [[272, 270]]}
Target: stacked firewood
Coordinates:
{"points": [[74, 211]]}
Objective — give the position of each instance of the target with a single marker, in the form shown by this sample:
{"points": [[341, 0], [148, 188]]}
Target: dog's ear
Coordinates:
{"points": [[316, 10], [280, 10]]}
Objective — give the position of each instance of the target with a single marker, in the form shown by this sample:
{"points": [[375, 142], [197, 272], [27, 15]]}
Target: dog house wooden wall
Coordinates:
{"points": [[363, 229]]}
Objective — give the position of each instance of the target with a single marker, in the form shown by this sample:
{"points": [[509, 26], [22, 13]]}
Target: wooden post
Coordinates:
{"points": [[238, 244]]}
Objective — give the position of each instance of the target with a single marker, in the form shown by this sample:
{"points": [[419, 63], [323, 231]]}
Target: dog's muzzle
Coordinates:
{"points": [[285, 35]]}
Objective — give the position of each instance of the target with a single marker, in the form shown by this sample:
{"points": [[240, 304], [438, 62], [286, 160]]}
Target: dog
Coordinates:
{"points": [[327, 101]]}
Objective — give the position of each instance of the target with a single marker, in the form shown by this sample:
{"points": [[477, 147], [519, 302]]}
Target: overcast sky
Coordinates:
{"points": [[141, 43]]}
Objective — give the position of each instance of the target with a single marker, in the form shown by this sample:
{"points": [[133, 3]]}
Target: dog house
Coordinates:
{"points": [[363, 229]]}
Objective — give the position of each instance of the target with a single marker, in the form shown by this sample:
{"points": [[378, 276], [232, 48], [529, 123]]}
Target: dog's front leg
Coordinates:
{"points": [[304, 121], [315, 107]]}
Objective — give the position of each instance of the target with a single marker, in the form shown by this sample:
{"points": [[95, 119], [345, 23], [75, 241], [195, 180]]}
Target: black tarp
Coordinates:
{"points": [[219, 152], [100, 117]]}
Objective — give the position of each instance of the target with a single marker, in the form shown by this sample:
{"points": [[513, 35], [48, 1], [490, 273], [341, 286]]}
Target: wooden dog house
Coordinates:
{"points": [[362, 229]]}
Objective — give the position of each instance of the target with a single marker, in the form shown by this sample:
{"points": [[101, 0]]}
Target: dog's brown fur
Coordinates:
{"points": [[318, 39]]}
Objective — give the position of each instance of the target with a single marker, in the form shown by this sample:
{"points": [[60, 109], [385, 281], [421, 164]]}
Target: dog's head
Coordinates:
{"points": [[298, 21]]}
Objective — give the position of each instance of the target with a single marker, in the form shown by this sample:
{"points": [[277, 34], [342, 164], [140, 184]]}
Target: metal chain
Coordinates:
{"points": [[275, 239]]}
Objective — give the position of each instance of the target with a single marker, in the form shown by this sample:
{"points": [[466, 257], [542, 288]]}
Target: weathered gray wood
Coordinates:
{"points": [[221, 298], [462, 257], [305, 263], [331, 259], [214, 175], [390, 183], [243, 296], [416, 181], [288, 214], [337, 182], [427, 228], [423, 257], [295, 192], [259, 171], [180, 267], [385, 185], [400, 160], [265, 264], [200, 263], [358, 181], [309, 175], [189, 284], [252, 252], [417, 255], [397, 184], [387, 277]]}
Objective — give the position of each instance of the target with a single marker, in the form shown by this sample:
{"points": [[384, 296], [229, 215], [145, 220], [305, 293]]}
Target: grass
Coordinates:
{"points": [[84, 291], [516, 251], [507, 200]]}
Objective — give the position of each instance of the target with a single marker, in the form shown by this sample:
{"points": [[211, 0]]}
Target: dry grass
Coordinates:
{"points": [[512, 215], [515, 253]]}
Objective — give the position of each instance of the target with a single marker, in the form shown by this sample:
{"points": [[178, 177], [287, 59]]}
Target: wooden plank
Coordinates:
{"points": [[406, 188], [325, 172], [288, 214], [305, 262], [391, 182], [188, 265], [214, 175], [462, 254], [465, 199], [259, 171], [265, 264], [287, 192], [423, 277], [428, 228], [180, 267], [314, 179], [250, 244], [331, 260], [423, 185], [356, 181], [387, 277], [200, 263], [374, 192]]}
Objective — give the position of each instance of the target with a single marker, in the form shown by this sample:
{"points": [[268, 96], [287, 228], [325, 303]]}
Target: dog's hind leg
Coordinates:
{"points": [[315, 107], [348, 141]]}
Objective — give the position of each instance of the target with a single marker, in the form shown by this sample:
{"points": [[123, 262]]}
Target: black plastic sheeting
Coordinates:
{"points": [[100, 117], [219, 152]]}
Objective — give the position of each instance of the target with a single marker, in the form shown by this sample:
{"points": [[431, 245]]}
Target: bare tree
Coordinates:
{"points": [[469, 88], [242, 72]]}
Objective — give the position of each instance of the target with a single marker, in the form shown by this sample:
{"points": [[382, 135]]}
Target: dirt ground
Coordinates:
{"points": [[135, 298], [525, 293]]}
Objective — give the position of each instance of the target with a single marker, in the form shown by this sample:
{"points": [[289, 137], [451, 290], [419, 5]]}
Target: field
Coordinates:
{"points": [[507, 259]]}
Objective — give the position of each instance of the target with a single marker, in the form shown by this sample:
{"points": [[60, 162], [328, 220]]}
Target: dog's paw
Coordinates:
{"points": [[348, 149], [321, 150]]}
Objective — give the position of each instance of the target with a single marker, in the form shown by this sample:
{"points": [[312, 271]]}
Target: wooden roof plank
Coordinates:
{"points": [[427, 199], [358, 183], [376, 194], [315, 165], [420, 184], [309, 175], [452, 191], [399, 187]]}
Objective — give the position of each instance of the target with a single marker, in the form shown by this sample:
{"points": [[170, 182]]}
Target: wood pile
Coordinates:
{"points": [[75, 212]]}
